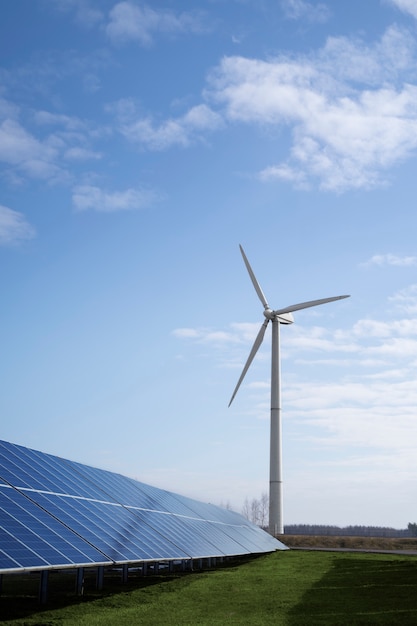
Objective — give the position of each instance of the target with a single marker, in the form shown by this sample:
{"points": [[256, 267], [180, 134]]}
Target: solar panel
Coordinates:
{"points": [[56, 513]]}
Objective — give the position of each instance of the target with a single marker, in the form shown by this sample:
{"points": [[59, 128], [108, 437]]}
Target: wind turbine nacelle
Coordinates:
{"points": [[286, 318]]}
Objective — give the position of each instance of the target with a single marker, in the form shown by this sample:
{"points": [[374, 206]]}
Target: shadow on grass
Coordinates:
{"points": [[19, 598], [361, 591]]}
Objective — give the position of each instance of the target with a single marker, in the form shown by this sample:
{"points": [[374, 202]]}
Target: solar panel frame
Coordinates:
{"points": [[56, 513]]}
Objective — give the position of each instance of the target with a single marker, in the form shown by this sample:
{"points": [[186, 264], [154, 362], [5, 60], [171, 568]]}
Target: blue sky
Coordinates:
{"points": [[139, 145]]}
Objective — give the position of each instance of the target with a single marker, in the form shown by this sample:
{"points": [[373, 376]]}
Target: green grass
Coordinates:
{"points": [[294, 588]]}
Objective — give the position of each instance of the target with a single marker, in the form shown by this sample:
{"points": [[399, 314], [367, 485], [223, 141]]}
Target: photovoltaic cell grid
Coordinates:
{"points": [[56, 513]]}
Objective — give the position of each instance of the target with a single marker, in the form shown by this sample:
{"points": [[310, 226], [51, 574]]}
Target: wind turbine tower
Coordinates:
{"points": [[277, 317]]}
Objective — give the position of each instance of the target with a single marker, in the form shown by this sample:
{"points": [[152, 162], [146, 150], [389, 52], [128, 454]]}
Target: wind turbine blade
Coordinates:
{"points": [[306, 305], [251, 356], [254, 281]]}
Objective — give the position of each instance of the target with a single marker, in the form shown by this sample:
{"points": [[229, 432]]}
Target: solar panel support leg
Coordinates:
{"points": [[43, 586], [1, 584], [125, 573], [171, 567], [100, 577], [79, 583], [144, 569]]}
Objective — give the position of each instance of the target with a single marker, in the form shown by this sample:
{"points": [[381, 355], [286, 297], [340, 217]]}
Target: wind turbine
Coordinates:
{"points": [[277, 317]]}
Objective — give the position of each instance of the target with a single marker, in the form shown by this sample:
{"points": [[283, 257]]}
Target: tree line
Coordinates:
{"points": [[256, 511], [346, 531]]}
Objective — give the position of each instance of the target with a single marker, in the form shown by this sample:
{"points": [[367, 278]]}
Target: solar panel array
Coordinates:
{"points": [[56, 513]]}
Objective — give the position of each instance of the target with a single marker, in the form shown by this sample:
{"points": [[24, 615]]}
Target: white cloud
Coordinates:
{"points": [[371, 328], [391, 259], [86, 197], [406, 300], [283, 172], [300, 9], [186, 333], [17, 146], [138, 22], [407, 6], [81, 154], [167, 134], [206, 335], [71, 123], [306, 340], [180, 131], [32, 153], [374, 389], [352, 114], [351, 107], [352, 60], [359, 413], [85, 14], [28, 156], [319, 339], [367, 342], [13, 227]]}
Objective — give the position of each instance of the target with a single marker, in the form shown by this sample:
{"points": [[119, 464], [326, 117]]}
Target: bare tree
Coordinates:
{"points": [[264, 510], [256, 511], [246, 509]]}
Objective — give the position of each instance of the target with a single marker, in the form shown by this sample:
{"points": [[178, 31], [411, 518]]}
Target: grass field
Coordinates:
{"points": [[294, 588]]}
